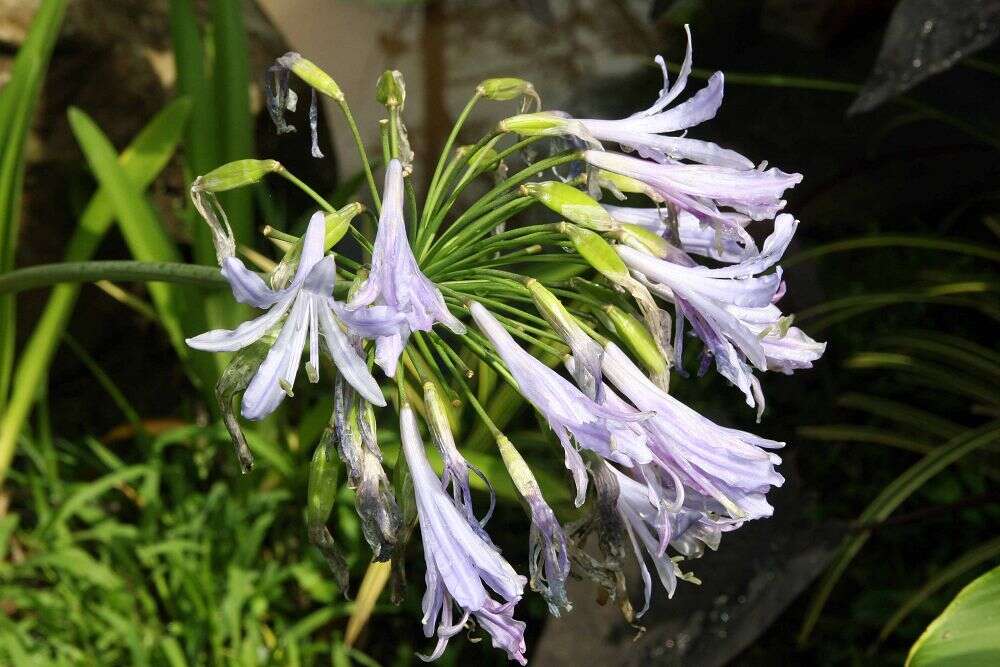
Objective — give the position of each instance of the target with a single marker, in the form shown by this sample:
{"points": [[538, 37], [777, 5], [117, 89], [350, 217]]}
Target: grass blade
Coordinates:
{"points": [[886, 502], [984, 553], [17, 107], [142, 161]]}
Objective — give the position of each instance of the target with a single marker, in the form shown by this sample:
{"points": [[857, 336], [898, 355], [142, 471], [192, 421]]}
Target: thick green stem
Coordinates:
{"points": [[45, 275]]}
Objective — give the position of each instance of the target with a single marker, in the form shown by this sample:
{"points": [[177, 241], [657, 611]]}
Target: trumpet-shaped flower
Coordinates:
{"points": [[462, 568], [730, 466], [396, 280], [731, 309], [309, 305], [704, 190], [611, 433]]}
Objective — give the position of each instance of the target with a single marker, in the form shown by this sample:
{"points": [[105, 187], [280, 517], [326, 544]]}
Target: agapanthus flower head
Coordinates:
{"points": [[462, 568], [396, 281], [307, 308], [578, 421]]}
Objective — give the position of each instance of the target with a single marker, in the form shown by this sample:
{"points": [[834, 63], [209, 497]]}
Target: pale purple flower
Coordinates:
{"points": [[705, 190], [730, 466], [651, 526], [696, 238], [309, 305], [613, 434], [642, 131], [731, 309], [462, 568], [396, 280]]}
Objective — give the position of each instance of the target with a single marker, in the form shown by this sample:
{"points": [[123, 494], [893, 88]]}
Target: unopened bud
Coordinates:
{"points": [[574, 205], [635, 334], [643, 240], [597, 252], [390, 91], [534, 124], [236, 175], [509, 88], [619, 185], [312, 75]]}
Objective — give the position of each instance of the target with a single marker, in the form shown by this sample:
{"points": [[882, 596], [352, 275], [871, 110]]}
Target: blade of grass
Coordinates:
{"points": [[886, 503], [141, 161], [376, 577], [17, 107]]}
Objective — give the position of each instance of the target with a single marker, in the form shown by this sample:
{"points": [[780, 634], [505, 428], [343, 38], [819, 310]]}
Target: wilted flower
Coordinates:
{"points": [[308, 302], [354, 428], [396, 280], [548, 556], [613, 434], [460, 564]]}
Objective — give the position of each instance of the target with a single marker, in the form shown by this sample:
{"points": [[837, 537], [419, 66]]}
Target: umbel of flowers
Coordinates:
{"points": [[584, 308]]}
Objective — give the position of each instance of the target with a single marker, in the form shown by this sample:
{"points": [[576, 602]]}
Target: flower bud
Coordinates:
{"points": [[635, 334], [597, 252], [312, 75], [619, 185], [574, 205], [236, 175], [534, 124], [586, 352], [509, 88], [337, 224], [643, 240], [390, 91], [602, 256]]}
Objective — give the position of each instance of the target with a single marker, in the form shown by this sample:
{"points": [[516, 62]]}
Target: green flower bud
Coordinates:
{"points": [[337, 224], [597, 252], [643, 239], [509, 88], [533, 124], [602, 256], [312, 75], [574, 205], [236, 175], [391, 90], [619, 185], [635, 334]]}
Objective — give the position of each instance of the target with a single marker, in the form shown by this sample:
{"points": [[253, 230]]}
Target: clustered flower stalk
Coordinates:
{"points": [[581, 306]]}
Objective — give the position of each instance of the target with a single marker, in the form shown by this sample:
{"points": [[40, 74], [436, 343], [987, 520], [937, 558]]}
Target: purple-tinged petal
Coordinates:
{"points": [[350, 364], [275, 377], [248, 287], [247, 333]]}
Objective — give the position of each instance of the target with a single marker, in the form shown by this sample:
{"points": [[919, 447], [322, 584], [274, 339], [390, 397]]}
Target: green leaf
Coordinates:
{"points": [[146, 238], [17, 107], [967, 633], [891, 497]]}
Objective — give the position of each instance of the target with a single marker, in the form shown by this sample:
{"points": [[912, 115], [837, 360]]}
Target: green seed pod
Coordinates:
{"points": [[312, 75], [635, 334], [390, 91], [534, 124], [324, 472], [233, 381], [236, 175], [574, 205]]}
